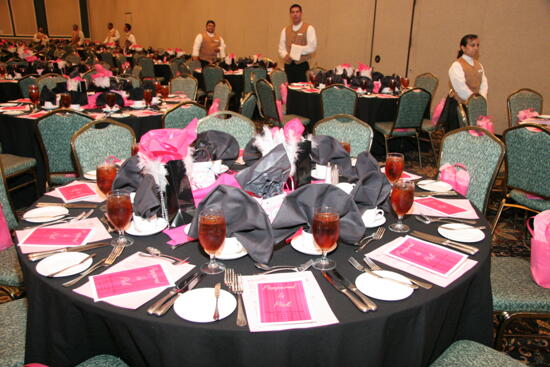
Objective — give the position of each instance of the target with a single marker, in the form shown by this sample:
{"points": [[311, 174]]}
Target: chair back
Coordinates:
{"points": [[50, 80], [521, 100], [482, 156], [147, 67], [193, 65], [232, 123], [212, 75], [108, 58], [266, 96], [258, 71], [528, 158], [346, 128], [278, 77], [120, 59], [181, 115], [411, 109], [427, 81], [7, 208], [99, 139], [55, 131], [73, 58], [183, 68], [222, 91], [186, 84], [135, 82], [338, 99], [25, 83], [476, 106], [248, 105]]}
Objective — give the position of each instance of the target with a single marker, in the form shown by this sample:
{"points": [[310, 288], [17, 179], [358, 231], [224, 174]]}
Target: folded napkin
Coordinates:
{"points": [[178, 235], [244, 219], [101, 99], [527, 114], [298, 209], [46, 95], [484, 122], [372, 188], [214, 107], [212, 145], [326, 149]]}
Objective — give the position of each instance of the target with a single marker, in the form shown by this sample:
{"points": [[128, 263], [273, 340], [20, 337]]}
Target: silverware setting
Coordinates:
{"points": [[42, 254], [154, 252], [162, 306], [428, 220], [74, 219], [275, 268], [470, 250], [108, 261], [446, 226], [217, 289], [434, 193], [346, 292], [234, 282], [368, 270], [366, 300], [68, 205], [377, 236], [375, 267], [51, 275]]}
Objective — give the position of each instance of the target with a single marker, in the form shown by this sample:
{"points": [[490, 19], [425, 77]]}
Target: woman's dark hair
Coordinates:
{"points": [[464, 42]]}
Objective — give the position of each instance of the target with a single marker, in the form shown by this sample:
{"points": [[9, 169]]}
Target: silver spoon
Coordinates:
{"points": [[155, 252]]}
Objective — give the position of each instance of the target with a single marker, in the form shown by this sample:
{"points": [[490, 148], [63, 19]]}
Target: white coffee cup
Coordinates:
{"points": [[75, 107], [372, 215], [139, 104], [321, 171], [48, 105], [144, 224]]}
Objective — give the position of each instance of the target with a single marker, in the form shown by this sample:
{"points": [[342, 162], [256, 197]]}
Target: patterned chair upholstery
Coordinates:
{"points": [[135, 82], [194, 65], [181, 115], [528, 168], [222, 91], [248, 105], [259, 73], [55, 131], [268, 106], [410, 112], [25, 83], [515, 294], [50, 80], [92, 143], [186, 84], [476, 106], [108, 58], [73, 58], [14, 165], [482, 156], [278, 77], [238, 126], [338, 99], [429, 128], [212, 75], [467, 353], [13, 324], [428, 82], [147, 67], [521, 100], [347, 128], [103, 360]]}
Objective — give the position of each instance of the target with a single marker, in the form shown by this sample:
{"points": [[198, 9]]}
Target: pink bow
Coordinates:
{"points": [[345, 65], [484, 122], [527, 114], [279, 105], [101, 72], [214, 107], [293, 129], [166, 145], [437, 111], [362, 67]]}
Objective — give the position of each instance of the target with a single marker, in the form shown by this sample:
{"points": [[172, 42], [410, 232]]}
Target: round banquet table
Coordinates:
{"points": [[64, 328], [9, 90]]}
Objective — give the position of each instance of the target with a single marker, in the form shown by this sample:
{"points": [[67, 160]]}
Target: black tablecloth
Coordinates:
{"points": [[9, 91], [164, 71], [64, 328]]}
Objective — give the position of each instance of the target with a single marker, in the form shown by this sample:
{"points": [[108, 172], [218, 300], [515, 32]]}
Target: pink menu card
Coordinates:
{"points": [[428, 256], [128, 281], [76, 192], [58, 236], [283, 302], [439, 205]]}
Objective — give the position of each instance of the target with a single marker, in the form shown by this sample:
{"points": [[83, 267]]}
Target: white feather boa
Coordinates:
{"points": [[158, 170], [271, 138]]}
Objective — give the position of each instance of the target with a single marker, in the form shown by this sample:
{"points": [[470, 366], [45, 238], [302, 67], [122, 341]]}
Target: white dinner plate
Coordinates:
{"points": [[468, 234], [305, 244], [315, 175], [8, 104], [155, 227], [433, 185], [14, 112], [198, 305], [45, 214], [543, 116], [137, 107], [383, 289], [62, 260], [107, 109], [91, 175], [119, 115]]}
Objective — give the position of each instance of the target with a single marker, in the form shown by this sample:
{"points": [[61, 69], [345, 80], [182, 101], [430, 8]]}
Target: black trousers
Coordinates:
{"points": [[296, 72]]}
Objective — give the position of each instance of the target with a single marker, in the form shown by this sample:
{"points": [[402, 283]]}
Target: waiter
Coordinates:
{"points": [[130, 38], [297, 43], [77, 38], [208, 46], [113, 36]]}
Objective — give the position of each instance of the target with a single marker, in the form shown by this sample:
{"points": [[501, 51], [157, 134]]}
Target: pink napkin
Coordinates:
{"points": [[404, 175], [470, 212], [293, 129], [437, 111], [376, 87], [15, 108], [136, 299], [283, 90], [280, 113], [5, 236], [484, 122], [178, 235], [214, 107], [22, 100], [101, 72], [144, 113], [98, 198], [34, 115], [381, 254], [168, 144], [527, 114]]}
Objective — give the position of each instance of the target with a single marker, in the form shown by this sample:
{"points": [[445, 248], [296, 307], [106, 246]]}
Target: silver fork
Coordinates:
{"points": [[374, 266], [360, 267], [377, 236], [74, 219], [108, 261], [238, 290], [273, 269]]}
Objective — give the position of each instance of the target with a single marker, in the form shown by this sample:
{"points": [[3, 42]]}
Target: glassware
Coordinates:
{"points": [[405, 82], [346, 146], [395, 163], [211, 238], [105, 175], [325, 229], [148, 97], [65, 100], [164, 91], [402, 198], [34, 95], [119, 212]]}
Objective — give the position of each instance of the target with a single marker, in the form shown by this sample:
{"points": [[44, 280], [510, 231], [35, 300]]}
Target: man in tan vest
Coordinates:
{"points": [[208, 46], [297, 43]]}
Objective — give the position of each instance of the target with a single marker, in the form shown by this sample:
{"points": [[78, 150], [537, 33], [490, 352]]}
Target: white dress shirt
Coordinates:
{"points": [[311, 41], [112, 37], [40, 37], [198, 42], [458, 80], [131, 38]]}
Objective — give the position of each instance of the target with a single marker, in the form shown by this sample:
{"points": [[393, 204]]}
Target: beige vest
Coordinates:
{"points": [[473, 75], [208, 48], [298, 37]]}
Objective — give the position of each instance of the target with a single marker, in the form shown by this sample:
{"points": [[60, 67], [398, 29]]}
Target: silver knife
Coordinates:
{"points": [[434, 193], [42, 254], [471, 250], [349, 285], [51, 275], [340, 288], [160, 307]]}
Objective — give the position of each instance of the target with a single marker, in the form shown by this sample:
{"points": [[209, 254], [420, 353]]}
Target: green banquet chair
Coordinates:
{"points": [[14, 166], [222, 91], [236, 125], [186, 84], [338, 99], [25, 83], [521, 100], [475, 106], [268, 106], [467, 353], [249, 72], [212, 75], [50, 80], [181, 115], [428, 82], [430, 129], [135, 82], [346, 128], [147, 68], [278, 77], [481, 155], [108, 58], [194, 65], [248, 105]]}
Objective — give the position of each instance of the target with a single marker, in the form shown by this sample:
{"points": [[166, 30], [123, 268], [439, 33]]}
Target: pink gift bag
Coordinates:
{"points": [[459, 179], [224, 179], [5, 236], [540, 248]]}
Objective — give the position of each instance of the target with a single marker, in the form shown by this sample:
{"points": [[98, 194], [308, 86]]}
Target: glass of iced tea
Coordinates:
{"points": [[211, 238], [325, 229], [165, 91], [119, 212], [148, 97], [405, 82], [34, 95], [402, 198], [105, 175], [395, 163], [65, 100], [346, 146]]}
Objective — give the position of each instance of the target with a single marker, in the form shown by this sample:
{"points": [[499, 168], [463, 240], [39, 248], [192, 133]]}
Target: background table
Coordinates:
{"points": [[64, 328], [9, 90]]}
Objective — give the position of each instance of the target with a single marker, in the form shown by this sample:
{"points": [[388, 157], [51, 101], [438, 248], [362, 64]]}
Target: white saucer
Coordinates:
{"points": [[49, 108], [231, 249], [543, 117], [374, 224], [107, 109], [305, 244], [14, 112], [383, 289], [45, 214], [158, 225], [463, 235], [137, 107], [91, 175], [433, 185], [198, 305], [8, 104], [119, 115], [57, 262]]}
